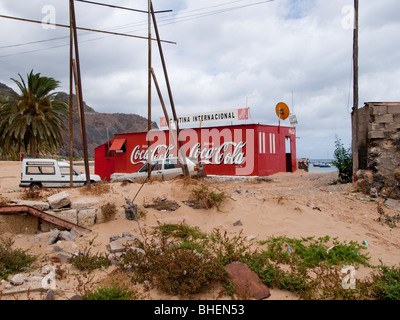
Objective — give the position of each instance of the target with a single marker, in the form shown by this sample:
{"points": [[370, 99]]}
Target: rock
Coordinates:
{"points": [[52, 238], [76, 297], [127, 234], [121, 244], [115, 237], [75, 233], [59, 200], [238, 223], [87, 217], [63, 256], [17, 279], [50, 295], [65, 236], [303, 164], [247, 283], [57, 249]]}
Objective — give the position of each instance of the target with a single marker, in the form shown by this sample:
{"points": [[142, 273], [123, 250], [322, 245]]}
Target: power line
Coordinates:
{"points": [[80, 28], [182, 17], [118, 7]]}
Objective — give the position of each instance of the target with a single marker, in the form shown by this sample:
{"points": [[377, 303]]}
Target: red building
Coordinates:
{"points": [[239, 150]]}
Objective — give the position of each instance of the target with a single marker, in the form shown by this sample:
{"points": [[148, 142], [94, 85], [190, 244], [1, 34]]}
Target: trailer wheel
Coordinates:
{"points": [[35, 186]]}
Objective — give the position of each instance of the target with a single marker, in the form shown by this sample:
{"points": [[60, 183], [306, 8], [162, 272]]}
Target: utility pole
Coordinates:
{"points": [[79, 93], [355, 119], [149, 93]]}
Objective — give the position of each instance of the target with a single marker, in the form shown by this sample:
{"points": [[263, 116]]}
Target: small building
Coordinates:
{"points": [[378, 148], [236, 150]]}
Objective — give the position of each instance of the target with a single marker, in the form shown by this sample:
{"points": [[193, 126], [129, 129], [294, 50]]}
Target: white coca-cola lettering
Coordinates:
{"points": [[140, 156], [217, 155]]}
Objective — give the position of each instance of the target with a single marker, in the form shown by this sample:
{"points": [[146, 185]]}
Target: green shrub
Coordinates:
{"points": [[387, 283], [343, 161], [115, 292], [11, 260], [85, 261]]}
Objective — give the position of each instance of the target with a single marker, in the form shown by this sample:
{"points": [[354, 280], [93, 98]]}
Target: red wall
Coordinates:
{"points": [[228, 150]]}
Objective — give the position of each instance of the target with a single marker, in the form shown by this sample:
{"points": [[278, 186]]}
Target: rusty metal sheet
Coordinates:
{"points": [[246, 281]]}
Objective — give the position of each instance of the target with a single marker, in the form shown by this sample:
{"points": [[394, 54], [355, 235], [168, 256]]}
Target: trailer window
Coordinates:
{"points": [[40, 170]]}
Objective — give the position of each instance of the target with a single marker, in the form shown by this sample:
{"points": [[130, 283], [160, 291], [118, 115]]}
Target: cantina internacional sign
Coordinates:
{"points": [[217, 116]]}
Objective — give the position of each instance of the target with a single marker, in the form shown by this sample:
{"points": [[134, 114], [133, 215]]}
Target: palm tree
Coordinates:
{"points": [[32, 121]]}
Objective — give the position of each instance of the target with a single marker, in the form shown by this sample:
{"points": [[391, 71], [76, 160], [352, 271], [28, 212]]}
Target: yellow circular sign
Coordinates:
{"points": [[282, 110]]}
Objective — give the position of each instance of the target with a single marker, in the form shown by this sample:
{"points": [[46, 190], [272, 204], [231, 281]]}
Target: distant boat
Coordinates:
{"points": [[322, 165]]}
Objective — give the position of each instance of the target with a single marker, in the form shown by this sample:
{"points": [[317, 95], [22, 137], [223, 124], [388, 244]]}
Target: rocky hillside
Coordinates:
{"points": [[96, 126]]}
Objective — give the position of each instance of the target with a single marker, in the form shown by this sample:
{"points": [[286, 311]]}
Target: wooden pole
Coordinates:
{"points": [[149, 92], [79, 95], [183, 156], [71, 103], [355, 115]]}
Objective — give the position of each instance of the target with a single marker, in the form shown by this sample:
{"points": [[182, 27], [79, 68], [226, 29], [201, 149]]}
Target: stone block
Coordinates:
{"points": [[379, 110], [87, 217], [59, 200], [70, 215], [39, 205], [385, 118], [376, 135], [83, 203], [394, 109]]}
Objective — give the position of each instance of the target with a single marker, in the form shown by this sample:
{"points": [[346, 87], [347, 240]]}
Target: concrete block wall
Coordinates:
{"points": [[379, 146]]}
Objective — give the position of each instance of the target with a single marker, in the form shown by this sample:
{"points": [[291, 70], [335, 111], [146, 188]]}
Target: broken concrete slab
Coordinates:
{"points": [[86, 217], [59, 200], [121, 244], [247, 283], [17, 279], [29, 283], [40, 205]]}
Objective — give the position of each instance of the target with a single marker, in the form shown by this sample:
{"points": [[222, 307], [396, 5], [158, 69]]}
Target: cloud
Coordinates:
{"points": [[229, 54]]}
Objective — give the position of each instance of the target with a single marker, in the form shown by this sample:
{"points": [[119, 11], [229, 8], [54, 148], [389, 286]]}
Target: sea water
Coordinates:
{"points": [[311, 167]]}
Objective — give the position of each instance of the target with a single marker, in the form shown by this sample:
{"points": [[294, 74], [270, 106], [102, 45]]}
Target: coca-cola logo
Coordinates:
{"points": [[226, 153]]}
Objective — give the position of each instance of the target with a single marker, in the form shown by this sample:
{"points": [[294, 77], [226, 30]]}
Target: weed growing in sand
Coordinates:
{"points": [[4, 201], [114, 292], [109, 210], [203, 197], [174, 269], [96, 189], [12, 260], [387, 283], [311, 252], [85, 261]]}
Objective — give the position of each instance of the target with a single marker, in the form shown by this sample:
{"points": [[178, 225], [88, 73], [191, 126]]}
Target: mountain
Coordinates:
{"points": [[97, 125]]}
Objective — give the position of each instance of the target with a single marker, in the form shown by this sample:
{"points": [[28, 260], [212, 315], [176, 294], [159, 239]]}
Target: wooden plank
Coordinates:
{"points": [[18, 209]]}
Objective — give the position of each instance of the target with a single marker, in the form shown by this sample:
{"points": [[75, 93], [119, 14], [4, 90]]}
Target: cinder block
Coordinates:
{"points": [[379, 110], [376, 135], [385, 118], [394, 109]]}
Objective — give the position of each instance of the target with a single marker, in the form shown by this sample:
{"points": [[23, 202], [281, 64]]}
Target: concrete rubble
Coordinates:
{"points": [[119, 245], [79, 211], [32, 281]]}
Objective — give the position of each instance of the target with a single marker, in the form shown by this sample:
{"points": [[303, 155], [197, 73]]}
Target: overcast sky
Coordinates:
{"points": [[228, 55]]}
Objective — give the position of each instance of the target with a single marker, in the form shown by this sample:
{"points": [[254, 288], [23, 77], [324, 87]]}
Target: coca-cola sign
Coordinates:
{"points": [[226, 153]]}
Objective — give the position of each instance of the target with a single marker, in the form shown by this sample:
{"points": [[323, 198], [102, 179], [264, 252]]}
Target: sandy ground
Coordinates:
{"points": [[285, 205]]}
